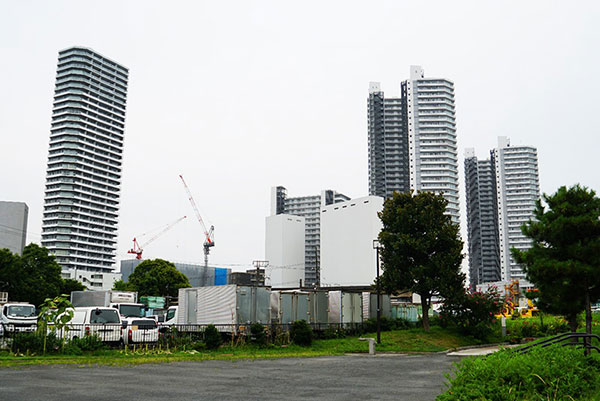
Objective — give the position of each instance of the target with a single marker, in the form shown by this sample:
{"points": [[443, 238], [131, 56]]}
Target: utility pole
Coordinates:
{"points": [[377, 246], [317, 268], [258, 264]]}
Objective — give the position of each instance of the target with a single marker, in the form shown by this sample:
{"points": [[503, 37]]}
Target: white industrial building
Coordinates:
{"points": [[285, 250], [347, 233], [92, 280], [13, 226]]}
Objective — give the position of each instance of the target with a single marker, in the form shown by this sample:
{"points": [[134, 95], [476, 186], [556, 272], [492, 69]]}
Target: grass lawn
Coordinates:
{"points": [[400, 341]]}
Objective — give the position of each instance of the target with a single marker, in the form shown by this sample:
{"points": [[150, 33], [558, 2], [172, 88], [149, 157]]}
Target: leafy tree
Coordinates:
{"points": [[10, 265], [157, 277], [564, 260], [69, 285], [121, 285], [422, 249], [31, 277]]}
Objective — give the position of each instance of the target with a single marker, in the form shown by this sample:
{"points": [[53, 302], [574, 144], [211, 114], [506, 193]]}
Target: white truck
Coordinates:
{"points": [[139, 327], [16, 316]]}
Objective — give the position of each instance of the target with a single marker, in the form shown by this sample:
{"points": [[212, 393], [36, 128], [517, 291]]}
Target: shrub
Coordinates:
{"points": [[473, 312], [553, 373], [301, 333], [33, 343], [333, 332], [257, 334], [88, 343], [212, 337]]}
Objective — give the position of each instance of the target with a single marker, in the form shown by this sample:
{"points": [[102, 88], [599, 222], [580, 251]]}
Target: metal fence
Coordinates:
{"points": [[165, 336]]}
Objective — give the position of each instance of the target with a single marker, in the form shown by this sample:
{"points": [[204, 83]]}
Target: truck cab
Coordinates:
{"points": [[18, 317]]}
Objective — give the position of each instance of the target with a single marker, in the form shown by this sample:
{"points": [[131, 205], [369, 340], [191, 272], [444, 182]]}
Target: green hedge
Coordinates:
{"points": [[552, 373]]}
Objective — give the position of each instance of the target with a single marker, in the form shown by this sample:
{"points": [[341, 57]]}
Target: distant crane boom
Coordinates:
{"points": [[209, 240], [139, 249]]}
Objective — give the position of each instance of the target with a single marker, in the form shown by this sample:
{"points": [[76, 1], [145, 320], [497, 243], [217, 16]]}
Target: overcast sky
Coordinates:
{"points": [[242, 96]]}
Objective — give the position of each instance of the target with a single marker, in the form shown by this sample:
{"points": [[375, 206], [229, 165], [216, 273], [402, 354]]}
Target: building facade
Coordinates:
{"points": [[83, 180], [412, 139], [13, 226], [517, 189], [308, 207], [197, 275], [482, 220], [285, 250], [501, 196], [347, 233]]}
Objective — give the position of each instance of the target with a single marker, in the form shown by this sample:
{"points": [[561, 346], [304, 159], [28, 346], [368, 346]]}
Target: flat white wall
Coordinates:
{"points": [[284, 249], [347, 233]]}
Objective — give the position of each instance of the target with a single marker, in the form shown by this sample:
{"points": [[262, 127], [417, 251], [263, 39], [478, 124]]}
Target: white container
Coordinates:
{"points": [[345, 307]]}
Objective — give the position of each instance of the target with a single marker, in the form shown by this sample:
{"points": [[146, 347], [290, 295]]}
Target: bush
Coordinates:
{"points": [[212, 337], [333, 332], [553, 373], [33, 343], [301, 333], [88, 343], [257, 334], [473, 312]]}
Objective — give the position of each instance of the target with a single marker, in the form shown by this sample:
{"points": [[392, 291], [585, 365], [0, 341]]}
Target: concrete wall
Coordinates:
{"points": [[347, 233], [284, 249], [13, 225]]}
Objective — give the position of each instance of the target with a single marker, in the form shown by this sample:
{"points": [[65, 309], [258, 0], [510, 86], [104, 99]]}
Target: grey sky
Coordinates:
{"points": [[242, 96]]}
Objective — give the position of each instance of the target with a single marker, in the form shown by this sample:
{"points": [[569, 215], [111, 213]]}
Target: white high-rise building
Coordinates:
{"points": [[412, 139], [517, 190], [308, 207], [83, 180]]}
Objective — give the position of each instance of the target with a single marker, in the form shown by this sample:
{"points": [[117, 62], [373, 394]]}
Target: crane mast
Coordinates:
{"points": [[138, 249], [209, 240]]}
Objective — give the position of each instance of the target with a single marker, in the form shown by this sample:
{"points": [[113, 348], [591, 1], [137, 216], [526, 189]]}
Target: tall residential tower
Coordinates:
{"points": [[412, 139], [83, 180], [501, 196], [482, 220]]}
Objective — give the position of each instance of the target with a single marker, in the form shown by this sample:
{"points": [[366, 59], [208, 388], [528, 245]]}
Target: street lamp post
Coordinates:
{"points": [[377, 246]]}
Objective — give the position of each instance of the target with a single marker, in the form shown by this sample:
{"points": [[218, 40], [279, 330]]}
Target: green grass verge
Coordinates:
{"points": [[400, 341]]}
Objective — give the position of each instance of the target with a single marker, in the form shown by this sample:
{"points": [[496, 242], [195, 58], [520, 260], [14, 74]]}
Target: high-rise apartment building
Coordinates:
{"points": [[517, 189], [13, 226], [501, 196], [308, 207], [412, 139], [482, 220], [81, 203]]}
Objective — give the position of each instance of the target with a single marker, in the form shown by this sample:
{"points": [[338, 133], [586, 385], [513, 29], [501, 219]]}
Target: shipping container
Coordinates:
{"points": [[293, 305], [370, 305], [345, 307], [225, 306], [102, 298]]}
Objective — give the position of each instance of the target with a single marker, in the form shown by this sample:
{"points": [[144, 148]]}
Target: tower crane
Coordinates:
{"points": [[209, 236], [138, 249]]}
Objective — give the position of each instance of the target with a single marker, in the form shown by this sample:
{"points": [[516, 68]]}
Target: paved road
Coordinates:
{"points": [[381, 377]]}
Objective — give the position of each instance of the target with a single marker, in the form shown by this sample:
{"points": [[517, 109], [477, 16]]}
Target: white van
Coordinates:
{"points": [[105, 322]]}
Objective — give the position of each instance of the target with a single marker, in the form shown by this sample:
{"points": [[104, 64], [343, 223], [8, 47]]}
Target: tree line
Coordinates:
{"points": [[422, 252]]}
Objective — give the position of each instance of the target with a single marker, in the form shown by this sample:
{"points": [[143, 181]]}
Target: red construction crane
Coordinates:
{"points": [[138, 249], [209, 237]]}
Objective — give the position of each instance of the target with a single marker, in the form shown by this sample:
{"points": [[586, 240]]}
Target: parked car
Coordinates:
{"points": [[142, 331], [105, 322]]}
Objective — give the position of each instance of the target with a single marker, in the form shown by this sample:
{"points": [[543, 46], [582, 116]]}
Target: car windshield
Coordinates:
{"points": [[132, 310], [21, 311], [170, 314], [104, 316]]}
